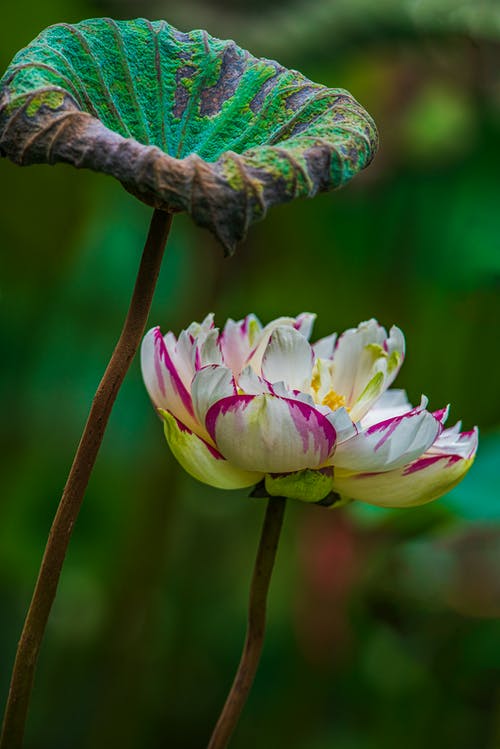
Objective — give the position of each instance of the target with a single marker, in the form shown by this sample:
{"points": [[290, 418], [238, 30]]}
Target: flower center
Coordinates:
{"points": [[333, 400], [316, 381]]}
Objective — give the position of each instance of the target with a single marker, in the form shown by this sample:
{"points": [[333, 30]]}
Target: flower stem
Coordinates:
{"points": [[78, 478], [254, 640]]}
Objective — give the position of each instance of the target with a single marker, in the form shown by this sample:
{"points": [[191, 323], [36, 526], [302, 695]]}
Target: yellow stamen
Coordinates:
{"points": [[316, 382], [333, 400]]}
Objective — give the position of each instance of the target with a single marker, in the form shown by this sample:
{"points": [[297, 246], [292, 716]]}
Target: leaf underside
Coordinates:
{"points": [[185, 121]]}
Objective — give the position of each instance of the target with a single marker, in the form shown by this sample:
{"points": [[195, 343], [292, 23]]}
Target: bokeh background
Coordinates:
{"points": [[383, 626]]}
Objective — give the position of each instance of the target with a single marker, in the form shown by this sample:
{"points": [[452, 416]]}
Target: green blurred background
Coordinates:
{"points": [[384, 626]]}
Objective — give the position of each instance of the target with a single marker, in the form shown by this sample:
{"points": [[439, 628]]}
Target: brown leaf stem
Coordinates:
{"points": [[79, 475], [254, 640]]}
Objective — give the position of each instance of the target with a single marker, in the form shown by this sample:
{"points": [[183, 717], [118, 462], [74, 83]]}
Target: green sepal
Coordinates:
{"points": [[307, 485]]}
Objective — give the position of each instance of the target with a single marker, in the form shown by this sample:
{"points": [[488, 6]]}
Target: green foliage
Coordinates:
{"points": [[182, 92], [184, 120]]}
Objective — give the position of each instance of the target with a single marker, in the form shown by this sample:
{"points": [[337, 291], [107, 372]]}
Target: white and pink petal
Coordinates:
{"points": [[184, 352], [324, 347], [423, 480], [203, 461], [431, 478], [196, 329], [250, 383], [351, 360], [238, 340], [442, 414], [340, 419], [279, 388], [269, 434], [288, 358], [454, 442], [180, 353], [163, 381], [208, 350], [392, 403], [395, 343], [390, 444], [211, 384], [365, 362], [302, 324]]}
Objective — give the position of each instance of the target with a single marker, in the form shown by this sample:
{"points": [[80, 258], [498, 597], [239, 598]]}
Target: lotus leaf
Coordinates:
{"points": [[184, 121]]}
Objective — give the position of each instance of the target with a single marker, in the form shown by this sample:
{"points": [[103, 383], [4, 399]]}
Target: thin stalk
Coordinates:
{"points": [[254, 640], [78, 478]]}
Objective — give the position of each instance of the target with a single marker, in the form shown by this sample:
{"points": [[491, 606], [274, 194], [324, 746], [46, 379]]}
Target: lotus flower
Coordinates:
{"points": [[314, 422]]}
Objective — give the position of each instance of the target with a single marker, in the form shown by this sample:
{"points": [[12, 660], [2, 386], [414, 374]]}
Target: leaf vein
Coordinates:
{"points": [[128, 75], [106, 94]]}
